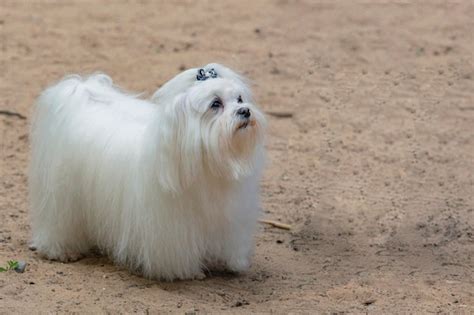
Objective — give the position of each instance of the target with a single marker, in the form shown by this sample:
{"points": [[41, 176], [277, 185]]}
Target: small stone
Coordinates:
{"points": [[369, 302], [240, 303], [279, 241], [275, 70], [20, 268]]}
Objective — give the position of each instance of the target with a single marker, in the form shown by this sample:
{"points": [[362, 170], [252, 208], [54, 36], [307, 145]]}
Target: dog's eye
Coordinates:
{"points": [[217, 103], [239, 99]]}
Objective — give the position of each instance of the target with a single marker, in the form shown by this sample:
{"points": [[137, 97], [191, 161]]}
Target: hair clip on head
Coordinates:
{"points": [[203, 75]]}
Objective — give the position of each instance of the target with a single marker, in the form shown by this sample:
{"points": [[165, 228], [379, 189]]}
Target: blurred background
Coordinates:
{"points": [[370, 144]]}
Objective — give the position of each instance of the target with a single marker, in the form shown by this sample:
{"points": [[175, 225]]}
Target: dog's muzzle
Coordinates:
{"points": [[244, 114]]}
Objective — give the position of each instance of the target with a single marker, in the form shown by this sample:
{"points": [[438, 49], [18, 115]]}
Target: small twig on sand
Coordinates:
{"points": [[9, 113], [276, 224], [280, 114]]}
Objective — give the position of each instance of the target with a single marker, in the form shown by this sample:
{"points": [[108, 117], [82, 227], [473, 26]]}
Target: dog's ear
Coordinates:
{"points": [[179, 149]]}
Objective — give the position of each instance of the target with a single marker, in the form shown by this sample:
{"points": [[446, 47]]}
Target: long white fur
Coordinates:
{"points": [[167, 187]]}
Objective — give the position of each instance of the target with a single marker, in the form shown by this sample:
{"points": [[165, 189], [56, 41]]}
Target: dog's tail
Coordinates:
{"points": [[62, 100], [55, 111], [71, 90]]}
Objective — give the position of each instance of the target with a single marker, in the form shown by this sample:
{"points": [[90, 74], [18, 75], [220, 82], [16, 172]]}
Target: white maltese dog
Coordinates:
{"points": [[167, 187]]}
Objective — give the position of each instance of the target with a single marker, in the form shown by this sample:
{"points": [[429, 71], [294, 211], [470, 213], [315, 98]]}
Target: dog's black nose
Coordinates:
{"points": [[244, 112]]}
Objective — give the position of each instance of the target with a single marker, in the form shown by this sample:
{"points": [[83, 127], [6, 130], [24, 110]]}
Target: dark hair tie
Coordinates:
{"points": [[203, 75]]}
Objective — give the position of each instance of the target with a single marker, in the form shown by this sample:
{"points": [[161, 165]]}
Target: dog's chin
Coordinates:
{"points": [[245, 138]]}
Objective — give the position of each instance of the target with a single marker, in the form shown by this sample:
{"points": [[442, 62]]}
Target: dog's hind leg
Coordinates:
{"points": [[58, 226]]}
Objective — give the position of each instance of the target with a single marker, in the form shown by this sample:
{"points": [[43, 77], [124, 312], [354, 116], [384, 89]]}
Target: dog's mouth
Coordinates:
{"points": [[245, 124]]}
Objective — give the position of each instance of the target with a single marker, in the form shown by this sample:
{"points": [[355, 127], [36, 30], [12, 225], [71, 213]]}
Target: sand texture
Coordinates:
{"points": [[370, 146]]}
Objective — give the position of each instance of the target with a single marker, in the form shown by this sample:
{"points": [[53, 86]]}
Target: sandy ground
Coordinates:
{"points": [[374, 168]]}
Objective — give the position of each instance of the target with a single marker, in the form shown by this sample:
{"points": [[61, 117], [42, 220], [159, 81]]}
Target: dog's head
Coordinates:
{"points": [[214, 125]]}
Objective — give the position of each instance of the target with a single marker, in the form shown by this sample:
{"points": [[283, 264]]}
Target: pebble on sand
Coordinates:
{"points": [[20, 268]]}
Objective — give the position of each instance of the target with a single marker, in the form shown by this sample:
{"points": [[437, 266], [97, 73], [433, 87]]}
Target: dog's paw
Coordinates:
{"points": [[238, 264], [200, 276], [63, 257], [71, 257]]}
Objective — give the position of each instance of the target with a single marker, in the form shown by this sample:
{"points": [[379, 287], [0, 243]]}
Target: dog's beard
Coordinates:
{"points": [[193, 149], [230, 145]]}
